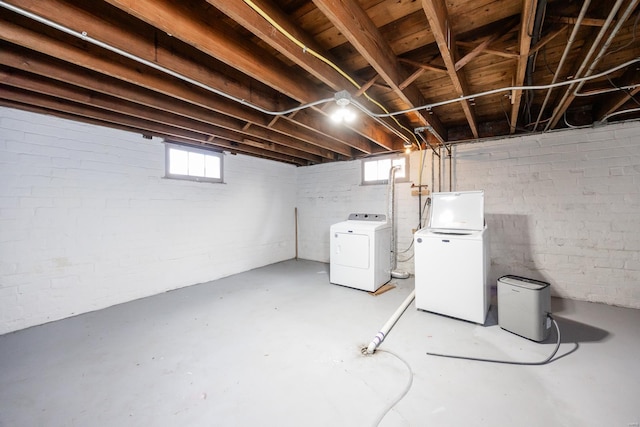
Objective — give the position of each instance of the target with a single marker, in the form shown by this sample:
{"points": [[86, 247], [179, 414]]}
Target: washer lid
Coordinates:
{"points": [[461, 210]]}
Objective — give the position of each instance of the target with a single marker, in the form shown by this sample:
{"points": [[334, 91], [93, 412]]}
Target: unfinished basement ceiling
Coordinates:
{"points": [[261, 78]]}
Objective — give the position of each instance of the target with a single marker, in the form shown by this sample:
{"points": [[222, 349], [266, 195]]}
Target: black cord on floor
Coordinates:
{"points": [[509, 362]]}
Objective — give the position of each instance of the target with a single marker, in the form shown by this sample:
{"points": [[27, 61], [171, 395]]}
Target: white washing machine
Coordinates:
{"points": [[360, 252], [452, 258]]}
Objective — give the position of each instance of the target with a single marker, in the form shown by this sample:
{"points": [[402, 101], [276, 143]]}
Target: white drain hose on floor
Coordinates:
{"points": [[380, 336]]}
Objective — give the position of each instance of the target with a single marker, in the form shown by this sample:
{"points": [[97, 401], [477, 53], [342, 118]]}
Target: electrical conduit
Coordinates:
{"points": [[85, 37]]}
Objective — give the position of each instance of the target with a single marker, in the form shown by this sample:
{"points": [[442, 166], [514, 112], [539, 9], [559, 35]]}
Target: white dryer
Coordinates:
{"points": [[360, 252], [452, 258]]}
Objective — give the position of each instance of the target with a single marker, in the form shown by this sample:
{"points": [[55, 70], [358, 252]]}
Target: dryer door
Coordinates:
{"points": [[350, 250]]}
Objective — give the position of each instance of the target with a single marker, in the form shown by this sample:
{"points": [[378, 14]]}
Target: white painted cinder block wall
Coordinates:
{"points": [[88, 221], [563, 207], [328, 193]]}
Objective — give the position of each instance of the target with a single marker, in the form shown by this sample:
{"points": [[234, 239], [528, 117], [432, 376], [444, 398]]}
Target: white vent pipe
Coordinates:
{"points": [[394, 229]]}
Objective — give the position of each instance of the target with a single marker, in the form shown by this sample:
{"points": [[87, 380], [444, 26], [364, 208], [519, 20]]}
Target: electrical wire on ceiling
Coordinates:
{"points": [[627, 90], [324, 59], [613, 89], [569, 125], [85, 37], [503, 89], [617, 113]]}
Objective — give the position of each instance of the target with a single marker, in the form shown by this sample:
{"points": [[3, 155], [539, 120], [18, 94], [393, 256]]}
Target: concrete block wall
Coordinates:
{"points": [[563, 207], [88, 221], [328, 193]]}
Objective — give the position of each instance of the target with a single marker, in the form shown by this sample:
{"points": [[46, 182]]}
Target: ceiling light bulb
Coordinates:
{"points": [[343, 115], [348, 115]]}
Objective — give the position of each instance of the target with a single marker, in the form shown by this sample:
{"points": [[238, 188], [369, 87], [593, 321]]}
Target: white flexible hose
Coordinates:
{"points": [[380, 336]]}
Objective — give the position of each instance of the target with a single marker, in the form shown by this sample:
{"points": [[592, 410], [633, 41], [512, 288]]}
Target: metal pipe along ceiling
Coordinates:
{"points": [[588, 58], [565, 54], [83, 36], [499, 90], [628, 11]]}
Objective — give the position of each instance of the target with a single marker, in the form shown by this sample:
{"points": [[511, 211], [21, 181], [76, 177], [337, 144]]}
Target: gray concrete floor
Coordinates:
{"points": [[280, 346]]}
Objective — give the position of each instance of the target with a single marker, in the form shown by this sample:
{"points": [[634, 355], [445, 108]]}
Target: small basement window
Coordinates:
{"points": [[192, 163], [376, 170]]}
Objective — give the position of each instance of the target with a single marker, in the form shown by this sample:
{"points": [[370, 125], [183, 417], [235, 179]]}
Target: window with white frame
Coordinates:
{"points": [[191, 163], [376, 170]]}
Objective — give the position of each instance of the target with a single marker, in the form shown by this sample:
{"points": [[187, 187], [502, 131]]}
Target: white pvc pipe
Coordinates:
{"points": [[391, 215], [395, 273], [380, 336]]}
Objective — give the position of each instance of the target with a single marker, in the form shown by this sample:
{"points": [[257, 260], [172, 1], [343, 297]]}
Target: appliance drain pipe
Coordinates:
{"points": [[391, 212], [380, 336]]}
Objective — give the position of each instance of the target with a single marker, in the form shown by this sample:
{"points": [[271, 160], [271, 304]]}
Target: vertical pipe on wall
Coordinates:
{"points": [[433, 168], [450, 171], [295, 215], [422, 156], [439, 168], [394, 228], [391, 214], [443, 168]]}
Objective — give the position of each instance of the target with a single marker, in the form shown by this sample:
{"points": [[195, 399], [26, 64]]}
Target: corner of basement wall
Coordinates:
{"points": [[88, 221], [563, 207]]}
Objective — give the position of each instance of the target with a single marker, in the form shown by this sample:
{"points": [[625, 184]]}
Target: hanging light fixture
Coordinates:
{"points": [[342, 113]]}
